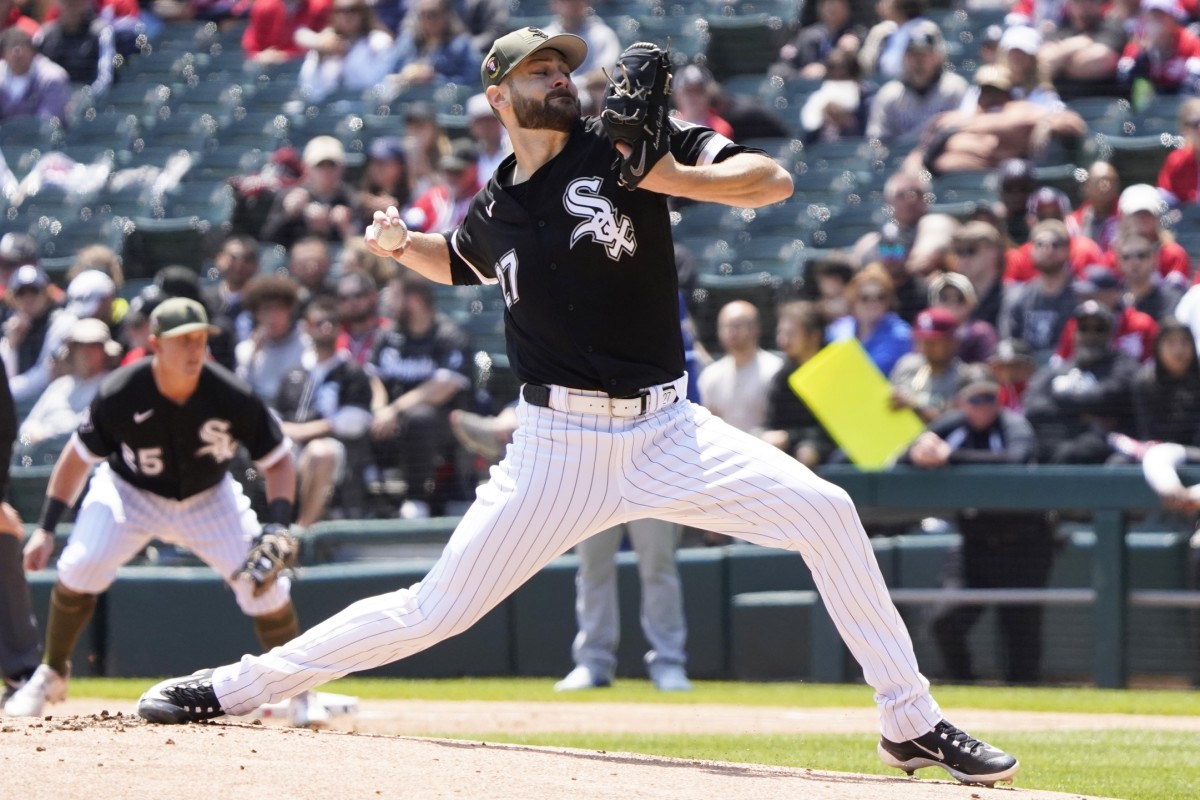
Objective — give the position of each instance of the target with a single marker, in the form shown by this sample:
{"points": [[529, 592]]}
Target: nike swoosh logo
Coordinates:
{"points": [[641, 167], [141, 416], [935, 753]]}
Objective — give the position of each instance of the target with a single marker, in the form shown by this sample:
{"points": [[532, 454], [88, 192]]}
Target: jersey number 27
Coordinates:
{"points": [[506, 273]]}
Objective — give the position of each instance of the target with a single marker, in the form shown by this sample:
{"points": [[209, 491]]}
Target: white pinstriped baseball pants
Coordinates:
{"points": [[568, 476], [116, 520]]}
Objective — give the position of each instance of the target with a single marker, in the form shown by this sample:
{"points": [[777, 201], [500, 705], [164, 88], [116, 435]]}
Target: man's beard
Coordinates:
{"points": [[547, 115]]}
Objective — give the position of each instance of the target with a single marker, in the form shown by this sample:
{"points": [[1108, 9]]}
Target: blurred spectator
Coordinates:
{"points": [[326, 410], [270, 36], [358, 312], [321, 205], [309, 264], [954, 292], [1158, 59], [486, 21], [443, 206], [425, 142], [1075, 405], [1048, 203], [806, 54], [1038, 310], [883, 50], [1180, 173], [31, 85], [1000, 127], [1133, 332], [491, 140], [1096, 217], [693, 90], [1137, 258], [989, 44], [99, 257], [902, 107], [580, 18], [16, 249], [425, 369], [91, 352], [1016, 184], [255, 193], [831, 276], [385, 181], [135, 326], [235, 264], [789, 424], [979, 255], [277, 343], [999, 549], [1166, 390], [433, 46], [32, 334], [350, 54], [12, 15], [1020, 47], [82, 43], [835, 110], [925, 237], [910, 289], [734, 387], [1013, 366], [872, 320], [1081, 56], [1141, 208], [355, 257], [926, 379], [92, 293]]}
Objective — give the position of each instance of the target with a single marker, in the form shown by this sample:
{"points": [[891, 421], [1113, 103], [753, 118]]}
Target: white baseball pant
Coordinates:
{"points": [[597, 609], [567, 476], [116, 520]]}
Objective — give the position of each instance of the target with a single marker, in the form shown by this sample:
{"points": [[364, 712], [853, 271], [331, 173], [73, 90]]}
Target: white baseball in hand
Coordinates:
{"points": [[392, 237]]}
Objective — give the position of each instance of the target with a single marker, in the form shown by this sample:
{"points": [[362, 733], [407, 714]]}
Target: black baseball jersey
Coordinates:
{"points": [[305, 394], [587, 268], [403, 361], [172, 450]]}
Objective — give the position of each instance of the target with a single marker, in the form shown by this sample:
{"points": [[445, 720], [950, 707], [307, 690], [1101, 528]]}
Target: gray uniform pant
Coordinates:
{"points": [[596, 606]]}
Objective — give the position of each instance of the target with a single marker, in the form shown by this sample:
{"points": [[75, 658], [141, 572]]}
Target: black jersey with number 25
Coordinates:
{"points": [[587, 268], [174, 450]]}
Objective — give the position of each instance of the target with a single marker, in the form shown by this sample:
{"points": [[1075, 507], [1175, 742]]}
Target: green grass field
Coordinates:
{"points": [[1132, 764]]}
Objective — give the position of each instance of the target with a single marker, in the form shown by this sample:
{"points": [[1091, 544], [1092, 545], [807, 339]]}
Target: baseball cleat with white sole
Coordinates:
{"points": [[967, 759], [44, 686], [179, 700]]}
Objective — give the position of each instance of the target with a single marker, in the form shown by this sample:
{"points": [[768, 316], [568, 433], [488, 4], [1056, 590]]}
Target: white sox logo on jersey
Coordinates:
{"points": [[219, 444], [600, 218]]}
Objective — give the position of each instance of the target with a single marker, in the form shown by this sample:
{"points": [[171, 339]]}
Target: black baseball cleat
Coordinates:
{"points": [[967, 759], [179, 700]]}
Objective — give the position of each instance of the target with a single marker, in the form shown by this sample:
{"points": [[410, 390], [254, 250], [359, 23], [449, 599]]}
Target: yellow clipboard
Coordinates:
{"points": [[850, 396]]}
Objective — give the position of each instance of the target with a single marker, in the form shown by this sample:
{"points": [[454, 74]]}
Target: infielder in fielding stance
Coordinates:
{"points": [[574, 229], [163, 431]]}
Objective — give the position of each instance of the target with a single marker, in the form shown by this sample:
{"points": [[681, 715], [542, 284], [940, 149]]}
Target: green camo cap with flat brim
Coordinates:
{"points": [[513, 48], [177, 316]]}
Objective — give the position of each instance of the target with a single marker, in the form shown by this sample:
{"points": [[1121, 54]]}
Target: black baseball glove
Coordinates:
{"points": [[637, 108], [274, 550]]}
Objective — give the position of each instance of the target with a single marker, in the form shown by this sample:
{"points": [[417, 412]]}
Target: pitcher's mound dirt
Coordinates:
{"points": [[115, 755]]}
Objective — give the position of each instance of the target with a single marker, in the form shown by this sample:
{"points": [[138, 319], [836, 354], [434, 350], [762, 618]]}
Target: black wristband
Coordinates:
{"points": [[52, 511], [279, 511]]}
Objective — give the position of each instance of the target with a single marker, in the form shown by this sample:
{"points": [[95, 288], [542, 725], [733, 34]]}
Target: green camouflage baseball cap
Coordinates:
{"points": [[177, 316], [513, 48]]}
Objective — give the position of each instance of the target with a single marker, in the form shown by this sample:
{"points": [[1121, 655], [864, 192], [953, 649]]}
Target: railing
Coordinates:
{"points": [[1108, 494]]}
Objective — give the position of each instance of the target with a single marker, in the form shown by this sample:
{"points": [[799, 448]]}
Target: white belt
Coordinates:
{"points": [[561, 398]]}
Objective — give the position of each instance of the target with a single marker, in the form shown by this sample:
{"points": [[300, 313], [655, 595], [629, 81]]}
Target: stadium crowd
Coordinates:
{"points": [[997, 199]]}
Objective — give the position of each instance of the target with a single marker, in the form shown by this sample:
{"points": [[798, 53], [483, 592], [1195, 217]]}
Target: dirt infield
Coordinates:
{"points": [[96, 749]]}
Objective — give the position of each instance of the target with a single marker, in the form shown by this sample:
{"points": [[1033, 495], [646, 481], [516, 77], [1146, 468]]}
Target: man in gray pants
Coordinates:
{"points": [[596, 608]]}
